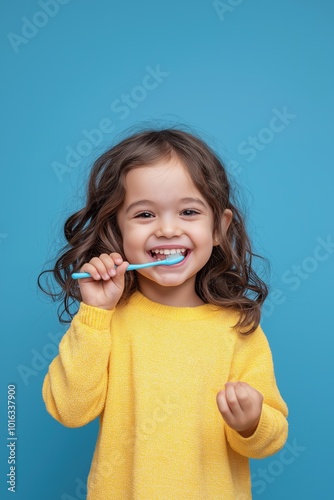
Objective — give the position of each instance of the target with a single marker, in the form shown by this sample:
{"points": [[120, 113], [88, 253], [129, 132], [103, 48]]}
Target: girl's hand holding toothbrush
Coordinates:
{"points": [[105, 286]]}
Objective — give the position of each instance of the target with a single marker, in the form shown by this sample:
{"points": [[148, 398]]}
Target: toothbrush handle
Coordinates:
{"points": [[77, 276], [131, 267]]}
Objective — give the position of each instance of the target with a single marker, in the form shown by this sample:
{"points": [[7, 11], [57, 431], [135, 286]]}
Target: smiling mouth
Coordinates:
{"points": [[162, 253]]}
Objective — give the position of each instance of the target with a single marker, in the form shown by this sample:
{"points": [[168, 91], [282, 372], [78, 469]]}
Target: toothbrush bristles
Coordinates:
{"points": [[174, 259], [174, 256]]}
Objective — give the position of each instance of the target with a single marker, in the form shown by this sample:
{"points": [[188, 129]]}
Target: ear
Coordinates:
{"points": [[225, 222]]}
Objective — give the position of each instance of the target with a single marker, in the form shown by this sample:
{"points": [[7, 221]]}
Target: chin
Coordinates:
{"points": [[168, 282]]}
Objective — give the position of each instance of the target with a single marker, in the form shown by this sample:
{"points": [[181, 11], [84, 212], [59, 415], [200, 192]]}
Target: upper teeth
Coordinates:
{"points": [[168, 251]]}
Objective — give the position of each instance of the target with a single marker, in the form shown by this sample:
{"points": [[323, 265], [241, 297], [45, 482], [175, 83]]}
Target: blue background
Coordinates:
{"points": [[226, 72]]}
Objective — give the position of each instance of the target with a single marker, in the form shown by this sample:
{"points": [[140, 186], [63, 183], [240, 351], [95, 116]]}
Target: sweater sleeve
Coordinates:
{"points": [[253, 364], [75, 386]]}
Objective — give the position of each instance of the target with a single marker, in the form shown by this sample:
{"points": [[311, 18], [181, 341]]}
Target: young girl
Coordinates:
{"points": [[170, 358]]}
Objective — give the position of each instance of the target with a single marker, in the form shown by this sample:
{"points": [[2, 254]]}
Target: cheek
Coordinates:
{"points": [[134, 234], [127, 242], [206, 233], [130, 252], [133, 240]]}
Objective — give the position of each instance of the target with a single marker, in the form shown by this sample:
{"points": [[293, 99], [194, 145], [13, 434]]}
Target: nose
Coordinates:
{"points": [[168, 227]]}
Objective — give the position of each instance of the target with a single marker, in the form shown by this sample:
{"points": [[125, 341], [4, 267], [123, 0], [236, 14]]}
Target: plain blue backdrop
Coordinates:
{"points": [[255, 79]]}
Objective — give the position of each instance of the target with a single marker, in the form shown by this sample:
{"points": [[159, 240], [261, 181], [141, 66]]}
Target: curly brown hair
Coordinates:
{"points": [[228, 278]]}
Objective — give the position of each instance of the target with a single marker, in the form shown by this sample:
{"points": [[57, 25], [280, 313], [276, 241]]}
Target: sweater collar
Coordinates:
{"points": [[204, 311]]}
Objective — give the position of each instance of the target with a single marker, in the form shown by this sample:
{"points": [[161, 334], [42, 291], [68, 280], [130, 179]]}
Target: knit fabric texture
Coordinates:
{"points": [[151, 373]]}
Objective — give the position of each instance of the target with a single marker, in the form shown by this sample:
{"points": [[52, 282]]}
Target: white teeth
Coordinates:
{"points": [[167, 251]]}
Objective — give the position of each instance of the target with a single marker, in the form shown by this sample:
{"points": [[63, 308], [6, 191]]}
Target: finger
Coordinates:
{"points": [[118, 279], [222, 404], [117, 258], [110, 264], [106, 264], [244, 396], [231, 398], [100, 267], [92, 270], [120, 270], [256, 395]]}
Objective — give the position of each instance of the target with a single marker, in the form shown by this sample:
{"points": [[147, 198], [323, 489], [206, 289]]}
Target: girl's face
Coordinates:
{"points": [[163, 212]]}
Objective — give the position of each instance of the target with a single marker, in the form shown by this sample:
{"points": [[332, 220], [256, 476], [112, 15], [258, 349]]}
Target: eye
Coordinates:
{"points": [[144, 215], [189, 212]]}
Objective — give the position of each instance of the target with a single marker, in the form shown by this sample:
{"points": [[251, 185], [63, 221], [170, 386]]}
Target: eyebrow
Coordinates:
{"points": [[142, 203]]}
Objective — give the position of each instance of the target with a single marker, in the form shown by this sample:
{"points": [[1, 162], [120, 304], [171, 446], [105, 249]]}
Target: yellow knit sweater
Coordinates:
{"points": [[151, 373]]}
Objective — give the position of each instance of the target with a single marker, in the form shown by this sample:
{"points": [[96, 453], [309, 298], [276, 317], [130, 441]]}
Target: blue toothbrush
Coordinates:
{"points": [[132, 267]]}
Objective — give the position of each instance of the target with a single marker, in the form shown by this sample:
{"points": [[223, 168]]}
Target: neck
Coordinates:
{"points": [[170, 295]]}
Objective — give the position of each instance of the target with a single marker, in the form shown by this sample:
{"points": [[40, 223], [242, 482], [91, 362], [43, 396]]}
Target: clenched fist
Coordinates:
{"points": [[240, 406]]}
